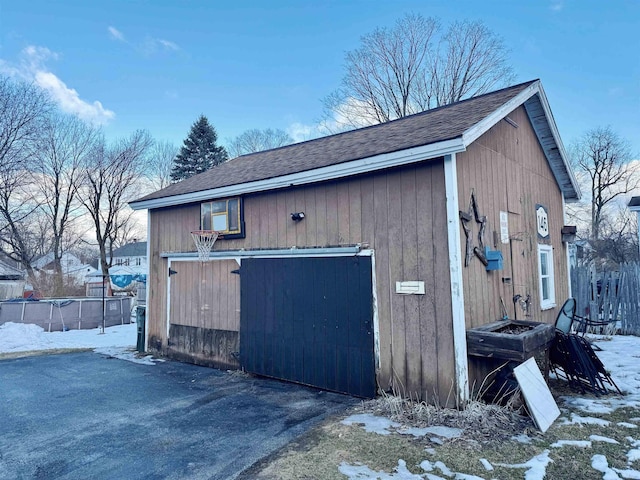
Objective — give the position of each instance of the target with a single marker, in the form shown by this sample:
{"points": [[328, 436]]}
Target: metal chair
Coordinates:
{"points": [[573, 356], [566, 316], [567, 320]]}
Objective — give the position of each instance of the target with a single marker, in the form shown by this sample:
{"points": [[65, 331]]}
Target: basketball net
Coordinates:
{"points": [[204, 240]]}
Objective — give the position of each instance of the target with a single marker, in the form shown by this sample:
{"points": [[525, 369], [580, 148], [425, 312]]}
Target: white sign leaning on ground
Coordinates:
{"points": [[540, 402]]}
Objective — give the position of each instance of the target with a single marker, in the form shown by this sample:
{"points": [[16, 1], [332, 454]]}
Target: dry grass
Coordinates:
{"points": [[488, 434], [479, 420]]}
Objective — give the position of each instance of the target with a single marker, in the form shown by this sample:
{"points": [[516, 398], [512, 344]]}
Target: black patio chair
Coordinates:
{"points": [[572, 356], [566, 316], [567, 321]]}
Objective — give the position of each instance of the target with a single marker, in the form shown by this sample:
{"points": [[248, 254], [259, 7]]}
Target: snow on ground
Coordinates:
{"points": [[371, 423], [600, 438], [384, 426], [118, 341], [621, 358]]}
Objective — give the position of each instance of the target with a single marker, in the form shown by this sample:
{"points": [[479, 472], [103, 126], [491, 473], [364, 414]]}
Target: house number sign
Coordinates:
{"points": [[543, 221]]}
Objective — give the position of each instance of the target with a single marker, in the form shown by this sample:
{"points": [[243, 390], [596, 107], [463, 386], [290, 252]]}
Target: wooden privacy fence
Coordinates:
{"points": [[609, 295]]}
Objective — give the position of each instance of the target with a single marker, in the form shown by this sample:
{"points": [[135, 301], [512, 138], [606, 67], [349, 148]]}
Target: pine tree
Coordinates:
{"points": [[199, 152]]}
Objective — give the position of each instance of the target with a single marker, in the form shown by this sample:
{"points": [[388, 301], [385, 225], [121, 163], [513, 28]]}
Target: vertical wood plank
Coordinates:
{"points": [[321, 216], [333, 233], [291, 226], [311, 216], [409, 240], [342, 194], [394, 192], [383, 282], [355, 212], [426, 271], [367, 211]]}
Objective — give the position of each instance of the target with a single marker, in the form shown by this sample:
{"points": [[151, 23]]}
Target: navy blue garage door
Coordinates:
{"points": [[310, 321]]}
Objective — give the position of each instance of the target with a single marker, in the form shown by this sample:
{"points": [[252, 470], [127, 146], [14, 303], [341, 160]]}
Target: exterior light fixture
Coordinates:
{"points": [[297, 216]]}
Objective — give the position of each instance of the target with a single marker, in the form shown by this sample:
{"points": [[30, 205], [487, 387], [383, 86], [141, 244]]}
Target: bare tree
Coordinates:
{"points": [[617, 242], [23, 110], [62, 152], [111, 178], [160, 163], [603, 159], [471, 61], [256, 140], [21, 232], [413, 67]]}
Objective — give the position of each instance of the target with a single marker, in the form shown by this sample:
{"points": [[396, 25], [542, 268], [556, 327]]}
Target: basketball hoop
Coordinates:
{"points": [[204, 240]]}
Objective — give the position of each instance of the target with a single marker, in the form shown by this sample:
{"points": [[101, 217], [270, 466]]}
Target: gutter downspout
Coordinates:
{"points": [[457, 294]]}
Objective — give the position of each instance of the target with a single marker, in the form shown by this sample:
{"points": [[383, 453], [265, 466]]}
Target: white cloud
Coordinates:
{"points": [[351, 113], [148, 46], [556, 6], [168, 45], [32, 68], [116, 34], [301, 132], [348, 115], [152, 45], [69, 100]]}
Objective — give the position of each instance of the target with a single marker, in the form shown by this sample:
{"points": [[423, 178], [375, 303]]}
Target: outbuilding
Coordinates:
{"points": [[357, 262]]}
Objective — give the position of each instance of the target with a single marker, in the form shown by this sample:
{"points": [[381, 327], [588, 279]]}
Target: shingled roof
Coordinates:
{"points": [[432, 127], [7, 272], [133, 249]]}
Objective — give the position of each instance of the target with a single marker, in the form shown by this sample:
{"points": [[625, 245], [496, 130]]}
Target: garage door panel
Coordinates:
{"points": [[331, 361], [342, 366], [355, 369], [313, 319]]}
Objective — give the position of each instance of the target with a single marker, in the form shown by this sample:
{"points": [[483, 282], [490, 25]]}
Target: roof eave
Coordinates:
{"points": [[545, 129], [331, 172]]}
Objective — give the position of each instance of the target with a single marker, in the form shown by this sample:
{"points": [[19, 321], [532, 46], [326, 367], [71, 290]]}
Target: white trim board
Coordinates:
{"points": [[331, 172], [456, 283], [146, 286], [272, 253]]}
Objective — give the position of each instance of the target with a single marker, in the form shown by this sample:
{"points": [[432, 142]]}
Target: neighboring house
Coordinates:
{"points": [[73, 269], [128, 265], [12, 281], [376, 284], [132, 255]]}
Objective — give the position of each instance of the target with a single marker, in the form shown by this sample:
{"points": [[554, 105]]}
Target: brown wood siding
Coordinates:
{"points": [[205, 295], [399, 213], [507, 170]]}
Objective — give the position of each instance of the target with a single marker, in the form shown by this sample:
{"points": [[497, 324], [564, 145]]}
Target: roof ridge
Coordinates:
{"points": [[395, 120]]}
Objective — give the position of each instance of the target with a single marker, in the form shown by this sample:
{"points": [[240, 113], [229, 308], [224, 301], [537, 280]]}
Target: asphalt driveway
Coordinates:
{"points": [[85, 415]]}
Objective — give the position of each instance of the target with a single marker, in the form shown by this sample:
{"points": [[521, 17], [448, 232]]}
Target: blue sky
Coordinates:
{"points": [[158, 65]]}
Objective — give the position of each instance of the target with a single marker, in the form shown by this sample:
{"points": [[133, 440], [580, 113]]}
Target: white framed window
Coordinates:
{"points": [[546, 282]]}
